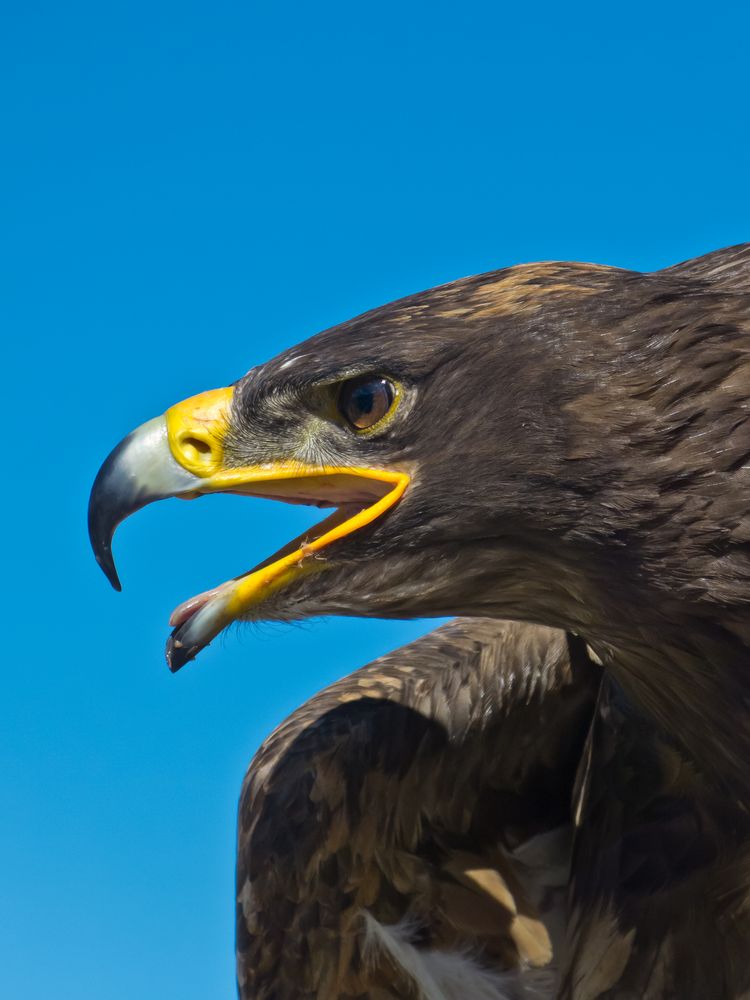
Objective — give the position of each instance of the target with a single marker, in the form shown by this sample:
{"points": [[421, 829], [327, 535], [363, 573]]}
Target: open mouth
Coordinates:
{"points": [[181, 454], [167, 457], [360, 496]]}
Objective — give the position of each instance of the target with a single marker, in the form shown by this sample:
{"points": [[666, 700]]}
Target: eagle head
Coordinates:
{"points": [[558, 443]]}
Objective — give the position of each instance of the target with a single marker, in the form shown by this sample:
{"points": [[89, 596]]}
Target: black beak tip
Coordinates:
{"points": [[107, 564], [178, 654], [100, 536]]}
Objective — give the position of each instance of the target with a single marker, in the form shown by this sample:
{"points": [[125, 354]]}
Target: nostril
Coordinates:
{"points": [[196, 452], [195, 431], [197, 445]]}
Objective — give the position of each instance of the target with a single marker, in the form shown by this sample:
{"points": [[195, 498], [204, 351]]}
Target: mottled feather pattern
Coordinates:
{"points": [[578, 439], [660, 872], [402, 792]]}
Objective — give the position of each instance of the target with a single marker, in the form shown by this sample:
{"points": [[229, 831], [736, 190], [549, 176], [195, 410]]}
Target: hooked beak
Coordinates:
{"points": [[181, 454], [140, 470]]}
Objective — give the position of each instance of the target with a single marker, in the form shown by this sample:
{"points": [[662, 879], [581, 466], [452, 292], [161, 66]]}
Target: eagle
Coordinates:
{"points": [[549, 796]]}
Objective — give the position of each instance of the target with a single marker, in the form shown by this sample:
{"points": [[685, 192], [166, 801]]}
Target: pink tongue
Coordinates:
{"points": [[181, 614]]}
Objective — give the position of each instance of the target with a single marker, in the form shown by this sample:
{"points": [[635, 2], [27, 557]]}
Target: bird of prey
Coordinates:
{"points": [[549, 797]]}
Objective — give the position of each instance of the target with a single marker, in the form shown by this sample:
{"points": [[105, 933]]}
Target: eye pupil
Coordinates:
{"points": [[365, 400]]}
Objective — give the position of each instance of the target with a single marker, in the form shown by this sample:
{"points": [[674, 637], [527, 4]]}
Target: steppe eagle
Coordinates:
{"points": [[548, 797]]}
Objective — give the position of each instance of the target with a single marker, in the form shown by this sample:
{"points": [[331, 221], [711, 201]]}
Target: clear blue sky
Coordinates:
{"points": [[185, 189]]}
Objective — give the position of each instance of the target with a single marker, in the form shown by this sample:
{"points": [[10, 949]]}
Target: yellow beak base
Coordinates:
{"points": [[182, 454]]}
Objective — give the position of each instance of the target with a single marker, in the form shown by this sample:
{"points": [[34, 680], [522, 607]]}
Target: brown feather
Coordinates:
{"points": [[595, 479], [408, 803]]}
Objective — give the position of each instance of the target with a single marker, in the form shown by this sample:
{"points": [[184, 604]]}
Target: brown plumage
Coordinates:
{"points": [[431, 787], [573, 442], [458, 754], [659, 905]]}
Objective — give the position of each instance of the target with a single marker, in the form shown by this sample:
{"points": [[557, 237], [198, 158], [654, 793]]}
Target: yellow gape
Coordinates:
{"points": [[196, 428]]}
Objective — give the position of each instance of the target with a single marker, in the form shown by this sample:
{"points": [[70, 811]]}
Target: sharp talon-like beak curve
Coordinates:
{"points": [[181, 454], [140, 470]]}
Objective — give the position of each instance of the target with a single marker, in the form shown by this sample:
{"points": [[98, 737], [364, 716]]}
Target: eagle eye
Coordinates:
{"points": [[365, 400]]}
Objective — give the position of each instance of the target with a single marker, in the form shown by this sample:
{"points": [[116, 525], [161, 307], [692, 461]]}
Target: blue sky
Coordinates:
{"points": [[185, 189]]}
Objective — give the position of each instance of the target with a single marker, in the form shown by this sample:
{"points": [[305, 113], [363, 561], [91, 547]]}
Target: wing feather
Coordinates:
{"points": [[401, 794], [660, 894]]}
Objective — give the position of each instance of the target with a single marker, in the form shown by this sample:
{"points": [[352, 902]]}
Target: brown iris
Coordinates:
{"points": [[365, 400]]}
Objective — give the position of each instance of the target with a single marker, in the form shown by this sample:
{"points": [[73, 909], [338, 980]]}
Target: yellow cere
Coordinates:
{"points": [[195, 430]]}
